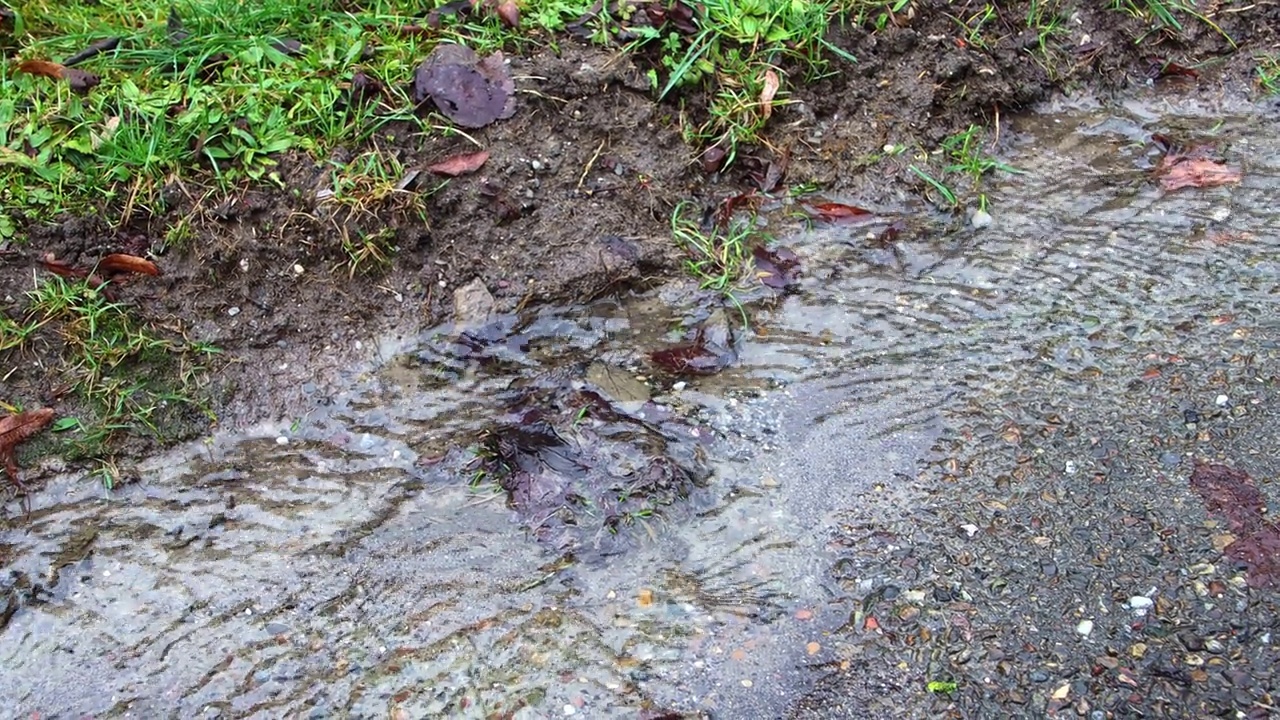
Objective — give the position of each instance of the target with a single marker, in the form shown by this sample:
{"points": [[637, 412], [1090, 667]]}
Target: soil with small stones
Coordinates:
{"points": [[574, 201]]}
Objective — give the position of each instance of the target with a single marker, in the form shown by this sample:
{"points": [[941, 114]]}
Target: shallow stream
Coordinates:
{"points": [[346, 564]]}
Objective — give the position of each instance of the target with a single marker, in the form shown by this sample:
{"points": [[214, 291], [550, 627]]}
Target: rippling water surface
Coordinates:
{"points": [[336, 565]]}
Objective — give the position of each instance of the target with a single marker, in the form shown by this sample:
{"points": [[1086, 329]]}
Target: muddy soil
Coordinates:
{"points": [[575, 200]]}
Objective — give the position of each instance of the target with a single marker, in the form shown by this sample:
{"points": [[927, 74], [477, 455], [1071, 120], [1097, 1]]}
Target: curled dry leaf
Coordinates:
{"points": [[14, 429], [770, 89], [119, 263], [460, 164]]}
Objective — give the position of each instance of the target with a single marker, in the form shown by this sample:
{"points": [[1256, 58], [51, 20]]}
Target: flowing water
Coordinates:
{"points": [[347, 564]]}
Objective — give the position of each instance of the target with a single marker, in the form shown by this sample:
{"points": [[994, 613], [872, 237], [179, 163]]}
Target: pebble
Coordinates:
{"points": [[298, 269], [233, 311], [980, 219], [1222, 400], [1085, 627], [569, 709], [1039, 676], [1140, 604], [747, 683], [282, 440]]}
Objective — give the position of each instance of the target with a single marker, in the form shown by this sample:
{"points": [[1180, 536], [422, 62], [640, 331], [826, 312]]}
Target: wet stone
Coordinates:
{"points": [[1039, 676]]}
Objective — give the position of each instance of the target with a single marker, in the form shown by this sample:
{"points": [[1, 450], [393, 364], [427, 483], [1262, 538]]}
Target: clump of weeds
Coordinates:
{"points": [[126, 376], [1269, 74], [719, 255], [963, 156], [1167, 17]]}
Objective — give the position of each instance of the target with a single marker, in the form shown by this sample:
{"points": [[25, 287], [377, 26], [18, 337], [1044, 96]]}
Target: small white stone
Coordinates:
{"points": [[569, 709], [1220, 214], [1141, 602], [282, 440], [298, 269], [1085, 627], [233, 311], [980, 219], [244, 264], [1222, 400], [679, 386], [969, 528], [747, 683]]}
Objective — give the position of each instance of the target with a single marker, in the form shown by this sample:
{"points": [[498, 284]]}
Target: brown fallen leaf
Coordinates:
{"points": [[78, 80], [771, 85], [460, 164], [14, 429], [119, 263], [62, 267], [1182, 167], [510, 13], [1196, 173], [835, 212]]}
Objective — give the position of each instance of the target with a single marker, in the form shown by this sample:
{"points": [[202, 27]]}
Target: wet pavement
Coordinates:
{"points": [[950, 477]]}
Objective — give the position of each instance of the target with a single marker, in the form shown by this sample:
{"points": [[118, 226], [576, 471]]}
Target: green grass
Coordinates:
{"points": [[735, 46], [1269, 74], [98, 340], [719, 258], [1167, 16]]}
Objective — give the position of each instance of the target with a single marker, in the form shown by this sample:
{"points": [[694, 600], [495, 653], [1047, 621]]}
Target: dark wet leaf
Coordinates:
{"points": [[461, 8], [460, 164], [710, 351], [212, 66], [79, 81], [1231, 494], [287, 47], [469, 91], [173, 26], [730, 205], [1158, 67], [836, 212], [890, 234], [777, 268], [96, 48], [14, 430], [364, 89], [119, 263]]}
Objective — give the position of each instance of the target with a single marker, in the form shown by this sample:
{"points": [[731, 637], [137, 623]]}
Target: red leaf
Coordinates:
{"points": [[460, 164], [1197, 173], [120, 263], [1194, 167], [835, 212], [61, 267]]}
